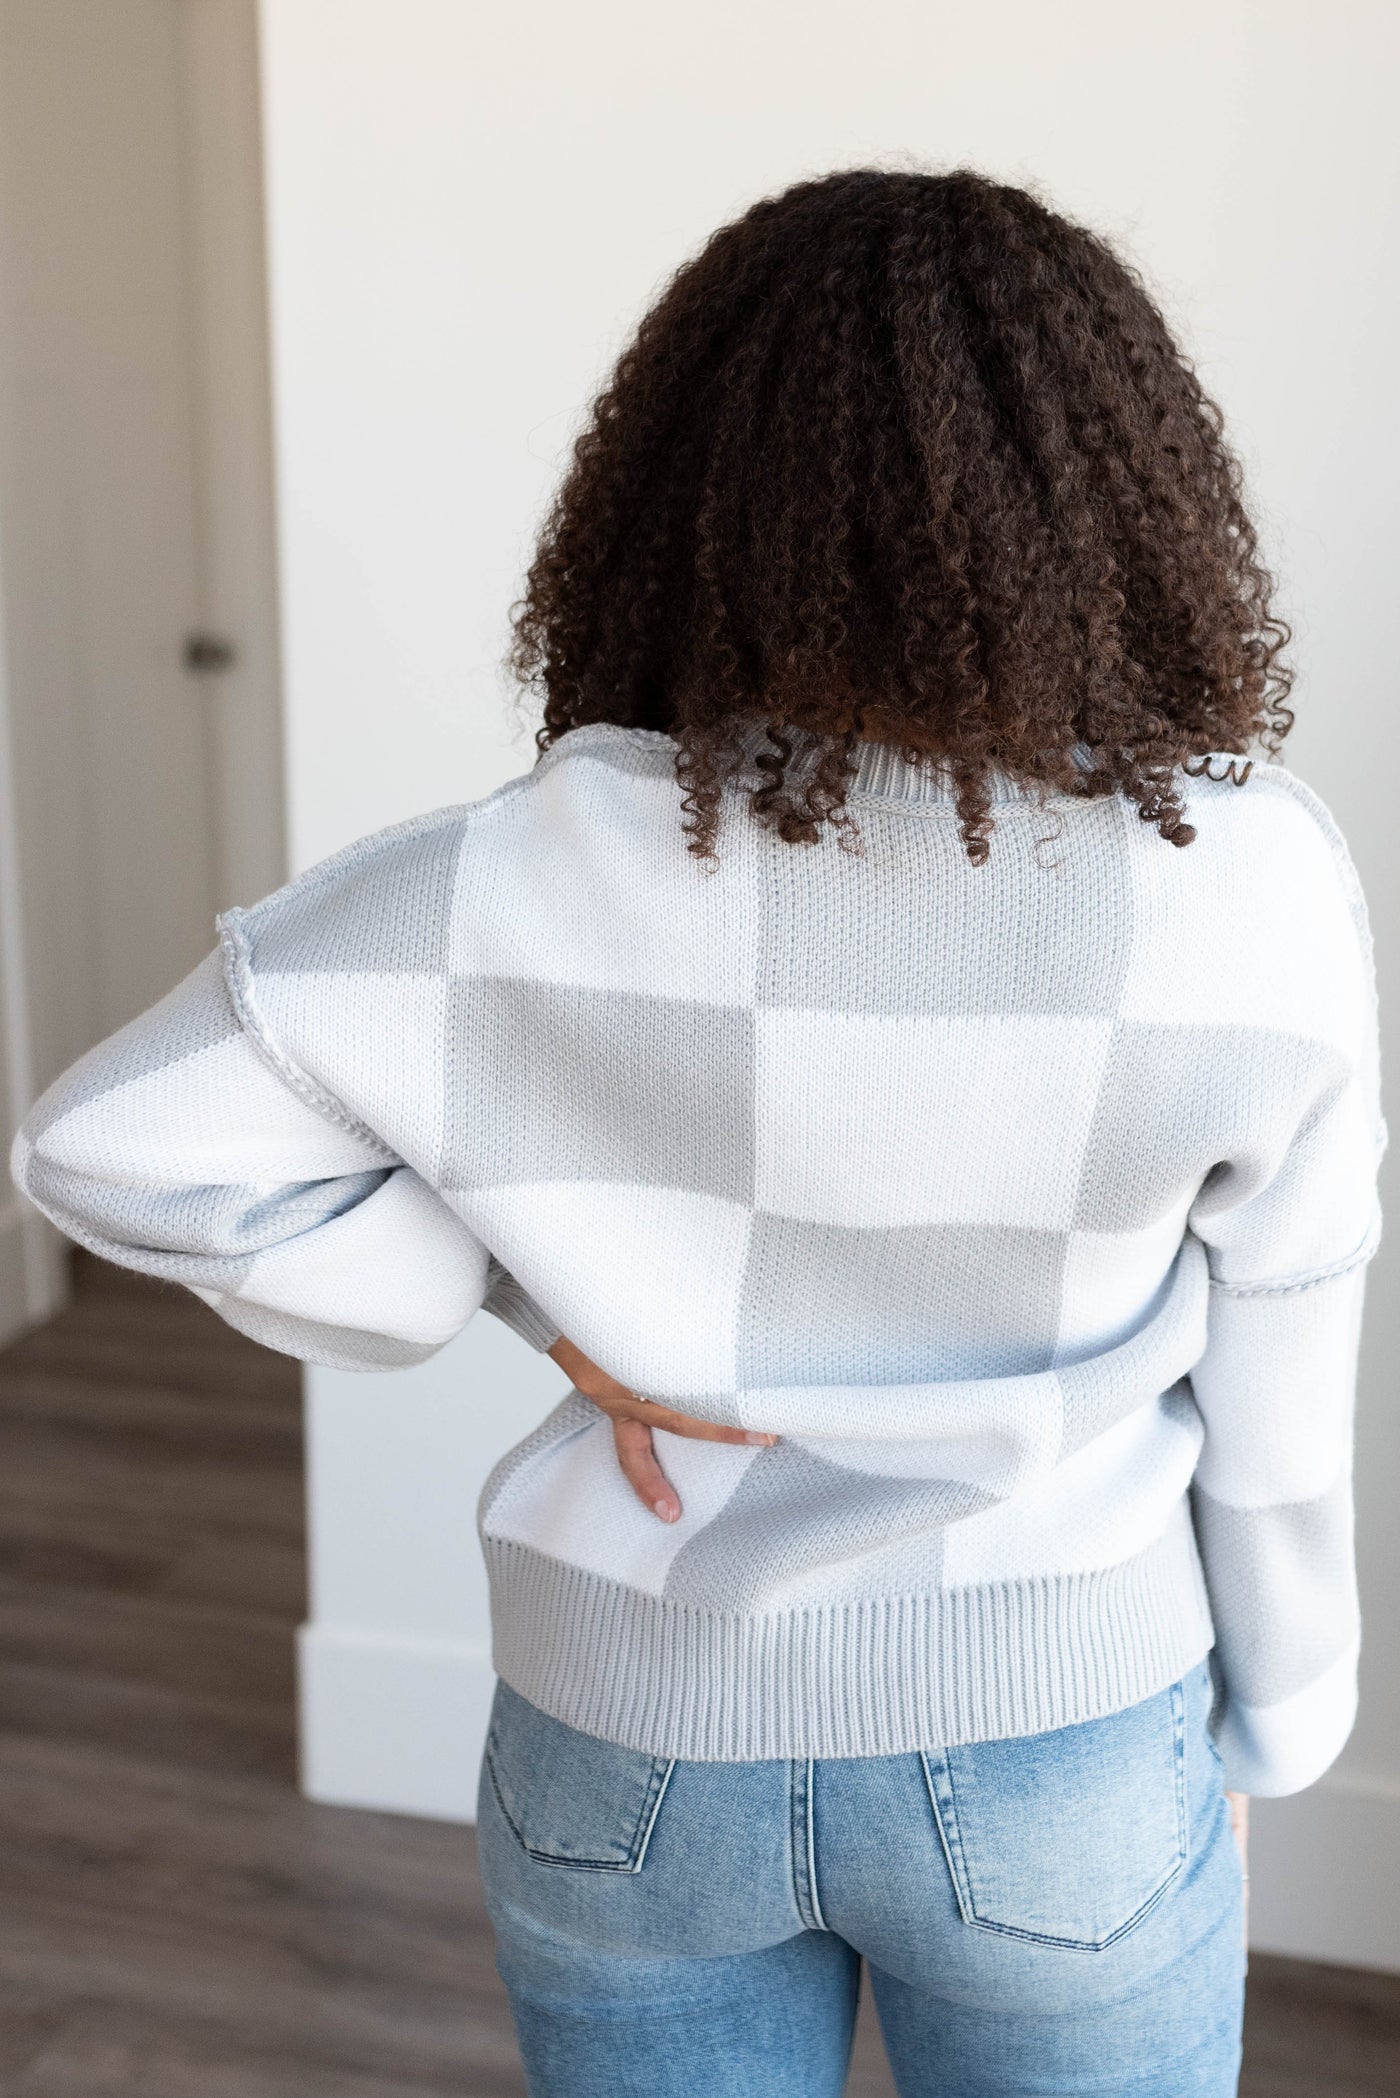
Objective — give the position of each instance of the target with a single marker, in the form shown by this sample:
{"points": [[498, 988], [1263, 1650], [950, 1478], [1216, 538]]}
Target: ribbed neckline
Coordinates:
{"points": [[882, 772]]}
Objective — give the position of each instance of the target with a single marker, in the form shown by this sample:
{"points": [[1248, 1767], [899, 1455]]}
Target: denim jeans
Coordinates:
{"points": [[1060, 1913]]}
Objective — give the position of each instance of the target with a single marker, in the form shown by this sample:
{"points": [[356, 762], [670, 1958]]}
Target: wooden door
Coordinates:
{"points": [[99, 516]]}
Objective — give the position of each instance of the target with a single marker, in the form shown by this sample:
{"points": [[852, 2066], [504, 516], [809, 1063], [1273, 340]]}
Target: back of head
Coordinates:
{"points": [[908, 457]]}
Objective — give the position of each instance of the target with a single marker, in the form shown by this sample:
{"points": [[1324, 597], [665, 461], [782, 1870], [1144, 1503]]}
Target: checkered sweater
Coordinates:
{"points": [[1027, 1204]]}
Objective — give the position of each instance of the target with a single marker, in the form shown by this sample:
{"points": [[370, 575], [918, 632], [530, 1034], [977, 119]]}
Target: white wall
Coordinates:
{"points": [[469, 207]]}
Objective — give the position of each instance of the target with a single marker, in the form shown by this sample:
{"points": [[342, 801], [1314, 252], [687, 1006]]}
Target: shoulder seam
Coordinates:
{"points": [[1311, 802], [322, 871], [462, 814], [1291, 1285], [598, 735], [238, 976]]}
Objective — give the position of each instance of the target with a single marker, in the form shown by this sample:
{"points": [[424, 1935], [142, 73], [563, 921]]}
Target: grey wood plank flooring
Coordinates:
{"points": [[175, 1920]]}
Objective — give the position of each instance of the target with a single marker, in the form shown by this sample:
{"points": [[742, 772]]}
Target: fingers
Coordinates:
{"points": [[620, 1405], [636, 1453], [633, 1421], [700, 1431], [637, 1457], [1239, 1822]]}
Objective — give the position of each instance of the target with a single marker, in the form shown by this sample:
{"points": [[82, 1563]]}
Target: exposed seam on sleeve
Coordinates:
{"points": [[238, 975], [1292, 1284]]}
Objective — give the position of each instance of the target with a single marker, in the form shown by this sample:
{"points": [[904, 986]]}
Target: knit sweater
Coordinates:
{"points": [[1027, 1204]]}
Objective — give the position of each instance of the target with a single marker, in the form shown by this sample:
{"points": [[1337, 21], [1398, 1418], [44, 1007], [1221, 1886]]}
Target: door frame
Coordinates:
{"points": [[232, 396], [221, 150]]}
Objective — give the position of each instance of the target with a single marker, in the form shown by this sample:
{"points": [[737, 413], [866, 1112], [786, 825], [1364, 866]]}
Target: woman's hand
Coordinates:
{"points": [[1239, 1822], [633, 1420]]}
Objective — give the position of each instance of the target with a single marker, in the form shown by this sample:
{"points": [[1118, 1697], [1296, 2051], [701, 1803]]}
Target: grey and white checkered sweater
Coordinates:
{"points": [[1028, 1204]]}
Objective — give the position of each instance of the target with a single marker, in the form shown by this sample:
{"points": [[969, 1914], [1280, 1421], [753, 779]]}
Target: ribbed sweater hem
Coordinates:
{"points": [[883, 1675]]}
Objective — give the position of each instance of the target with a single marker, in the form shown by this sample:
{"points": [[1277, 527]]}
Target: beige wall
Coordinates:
{"points": [[469, 207]]}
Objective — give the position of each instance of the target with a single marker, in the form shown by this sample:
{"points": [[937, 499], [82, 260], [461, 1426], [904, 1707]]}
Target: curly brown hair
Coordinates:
{"points": [[908, 457]]}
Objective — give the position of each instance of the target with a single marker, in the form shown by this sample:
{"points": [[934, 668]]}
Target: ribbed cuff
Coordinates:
{"points": [[516, 1308]]}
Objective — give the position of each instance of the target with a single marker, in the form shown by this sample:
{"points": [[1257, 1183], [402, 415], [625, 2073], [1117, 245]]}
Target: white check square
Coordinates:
{"points": [[882, 1119]]}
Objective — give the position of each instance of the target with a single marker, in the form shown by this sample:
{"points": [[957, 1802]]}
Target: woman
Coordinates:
{"points": [[899, 1045]]}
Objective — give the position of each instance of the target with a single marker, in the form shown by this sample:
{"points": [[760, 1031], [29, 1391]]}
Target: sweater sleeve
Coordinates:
{"points": [[1288, 1236], [180, 1147]]}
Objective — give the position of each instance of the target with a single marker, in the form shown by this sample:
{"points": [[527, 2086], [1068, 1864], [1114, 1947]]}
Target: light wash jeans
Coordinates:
{"points": [[1060, 1913]]}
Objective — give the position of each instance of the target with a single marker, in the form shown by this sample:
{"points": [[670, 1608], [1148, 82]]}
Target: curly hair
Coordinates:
{"points": [[907, 457]]}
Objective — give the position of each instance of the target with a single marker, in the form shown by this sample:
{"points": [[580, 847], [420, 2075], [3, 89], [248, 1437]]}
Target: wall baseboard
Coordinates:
{"points": [[399, 1725], [396, 1724], [1325, 1874]]}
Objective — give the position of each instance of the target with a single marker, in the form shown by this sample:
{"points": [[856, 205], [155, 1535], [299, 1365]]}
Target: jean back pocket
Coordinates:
{"points": [[568, 1798], [1067, 1838]]}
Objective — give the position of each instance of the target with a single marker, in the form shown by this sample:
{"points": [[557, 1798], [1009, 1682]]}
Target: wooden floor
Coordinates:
{"points": [[175, 1922]]}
